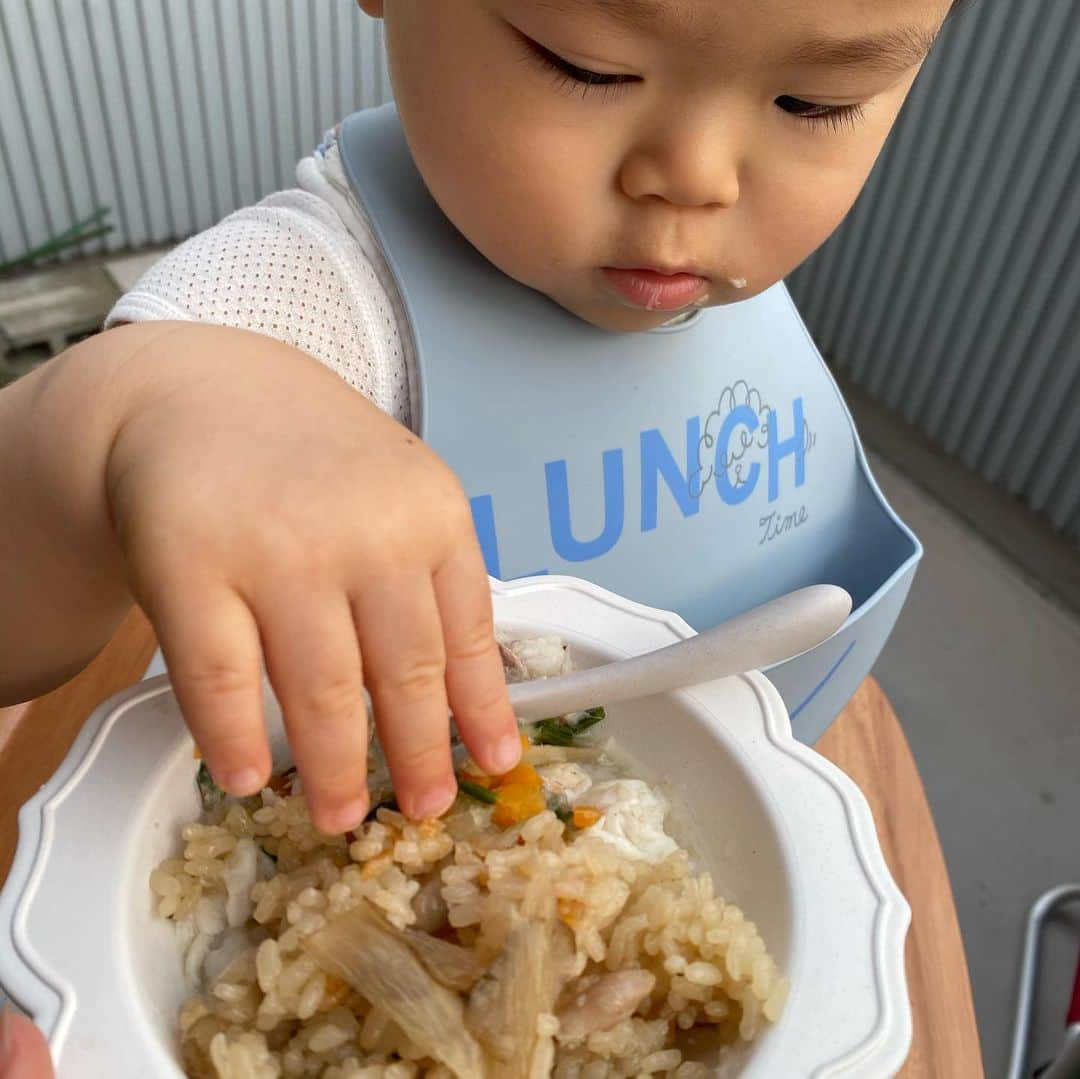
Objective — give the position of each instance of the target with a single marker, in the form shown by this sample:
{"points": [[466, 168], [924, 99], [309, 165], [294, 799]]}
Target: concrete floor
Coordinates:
{"points": [[984, 673]]}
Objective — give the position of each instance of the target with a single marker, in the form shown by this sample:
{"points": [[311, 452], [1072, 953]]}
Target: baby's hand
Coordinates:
{"points": [[24, 1053], [262, 502]]}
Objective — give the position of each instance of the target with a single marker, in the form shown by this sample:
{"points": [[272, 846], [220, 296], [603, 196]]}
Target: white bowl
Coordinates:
{"points": [[785, 834]]}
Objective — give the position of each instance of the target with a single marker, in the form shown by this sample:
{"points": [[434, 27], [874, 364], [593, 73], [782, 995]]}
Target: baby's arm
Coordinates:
{"points": [[62, 575], [256, 507]]}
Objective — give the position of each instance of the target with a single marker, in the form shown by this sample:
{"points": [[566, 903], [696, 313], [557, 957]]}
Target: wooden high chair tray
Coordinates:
{"points": [[866, 741]]}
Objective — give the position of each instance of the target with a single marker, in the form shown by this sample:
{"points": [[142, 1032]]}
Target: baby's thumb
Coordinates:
{"points": [[24, 1053]]}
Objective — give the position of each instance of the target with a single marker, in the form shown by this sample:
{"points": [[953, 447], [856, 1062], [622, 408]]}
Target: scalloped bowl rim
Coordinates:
{"points": [[831, 853]]}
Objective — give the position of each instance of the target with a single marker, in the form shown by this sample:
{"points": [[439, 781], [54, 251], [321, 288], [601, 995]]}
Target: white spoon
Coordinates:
{"points": [[778, 630]]}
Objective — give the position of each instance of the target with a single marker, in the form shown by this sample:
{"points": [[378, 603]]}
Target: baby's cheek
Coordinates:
{"points": [[535, 234], [800, 222]]}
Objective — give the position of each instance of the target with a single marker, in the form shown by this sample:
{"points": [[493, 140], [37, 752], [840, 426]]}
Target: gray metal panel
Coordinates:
{"points": [[952, 291], [172, 112]]}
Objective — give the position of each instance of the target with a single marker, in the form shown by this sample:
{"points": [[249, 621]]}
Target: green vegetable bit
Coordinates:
{"points": [[477, 793], [557, 732], [210, 794], [552, 732], [590, 719]]}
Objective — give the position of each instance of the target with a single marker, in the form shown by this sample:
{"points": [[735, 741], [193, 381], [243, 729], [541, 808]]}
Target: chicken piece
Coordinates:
{"points": [[514, 669], [539, 657], [565, 780], [632, 819], [609, 1000]]}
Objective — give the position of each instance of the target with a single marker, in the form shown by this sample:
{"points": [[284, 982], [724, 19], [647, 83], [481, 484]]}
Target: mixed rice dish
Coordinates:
{"points": [[547, 925]]}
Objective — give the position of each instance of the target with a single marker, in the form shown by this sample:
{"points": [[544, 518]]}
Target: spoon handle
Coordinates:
{"points": [[775, 631]]}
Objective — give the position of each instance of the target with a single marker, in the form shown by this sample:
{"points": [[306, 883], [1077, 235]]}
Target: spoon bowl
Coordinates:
{"points": [[771, 633]]}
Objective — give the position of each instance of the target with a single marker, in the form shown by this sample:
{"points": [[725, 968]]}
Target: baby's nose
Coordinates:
{"points": [[686, 167]]}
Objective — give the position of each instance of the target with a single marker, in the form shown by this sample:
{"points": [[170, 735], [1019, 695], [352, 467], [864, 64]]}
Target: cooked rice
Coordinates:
{"points": [[265, 1009]]}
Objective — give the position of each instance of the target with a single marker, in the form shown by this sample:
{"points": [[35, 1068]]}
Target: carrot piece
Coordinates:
{"points": [[335, 993], [521, 775], [570, 911], [585, 816], [517, 803]]}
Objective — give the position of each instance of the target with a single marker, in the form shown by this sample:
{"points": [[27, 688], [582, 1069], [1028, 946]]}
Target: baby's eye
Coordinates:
{"points": [[834, 116], [569, 73]]}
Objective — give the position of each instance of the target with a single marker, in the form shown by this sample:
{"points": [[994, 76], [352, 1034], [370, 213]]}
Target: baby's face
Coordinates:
{"points": [[634, 158]]}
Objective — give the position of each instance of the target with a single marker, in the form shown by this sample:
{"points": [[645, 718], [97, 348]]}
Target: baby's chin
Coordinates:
{"points": [[618, 318]]}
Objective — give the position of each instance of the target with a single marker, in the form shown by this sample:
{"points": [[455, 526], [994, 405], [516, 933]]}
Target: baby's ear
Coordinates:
{"points": [[374, 8]]}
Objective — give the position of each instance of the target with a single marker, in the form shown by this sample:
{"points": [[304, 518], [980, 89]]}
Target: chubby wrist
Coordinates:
{"points": [[69, 414]]}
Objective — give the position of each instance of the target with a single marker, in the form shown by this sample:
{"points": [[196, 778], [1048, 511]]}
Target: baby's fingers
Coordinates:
{"points": [[405, 663], [211, 646], [313, 659], [475, 681]]}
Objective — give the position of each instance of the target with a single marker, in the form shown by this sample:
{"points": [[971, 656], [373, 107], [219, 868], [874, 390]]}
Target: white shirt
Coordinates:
{"points": [[302, 266]]}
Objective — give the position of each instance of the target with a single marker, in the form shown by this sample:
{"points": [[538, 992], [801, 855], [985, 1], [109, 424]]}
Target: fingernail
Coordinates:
{"points": [[244, 781], [6, 1038], [346, 818], [506, 753], [433, 803]]}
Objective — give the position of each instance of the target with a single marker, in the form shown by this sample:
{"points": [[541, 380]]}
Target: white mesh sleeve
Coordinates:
{"points": [[289, 268]]}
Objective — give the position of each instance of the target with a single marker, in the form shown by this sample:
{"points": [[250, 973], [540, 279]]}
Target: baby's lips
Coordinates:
{"points": [[655, 291]]}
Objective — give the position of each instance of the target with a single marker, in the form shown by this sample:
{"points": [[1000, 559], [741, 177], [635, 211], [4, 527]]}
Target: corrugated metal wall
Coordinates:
{"points": [[951, 293], [172, 112]]}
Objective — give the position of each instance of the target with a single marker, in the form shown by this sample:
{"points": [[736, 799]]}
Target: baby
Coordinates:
{"points": [[208, 456]]}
